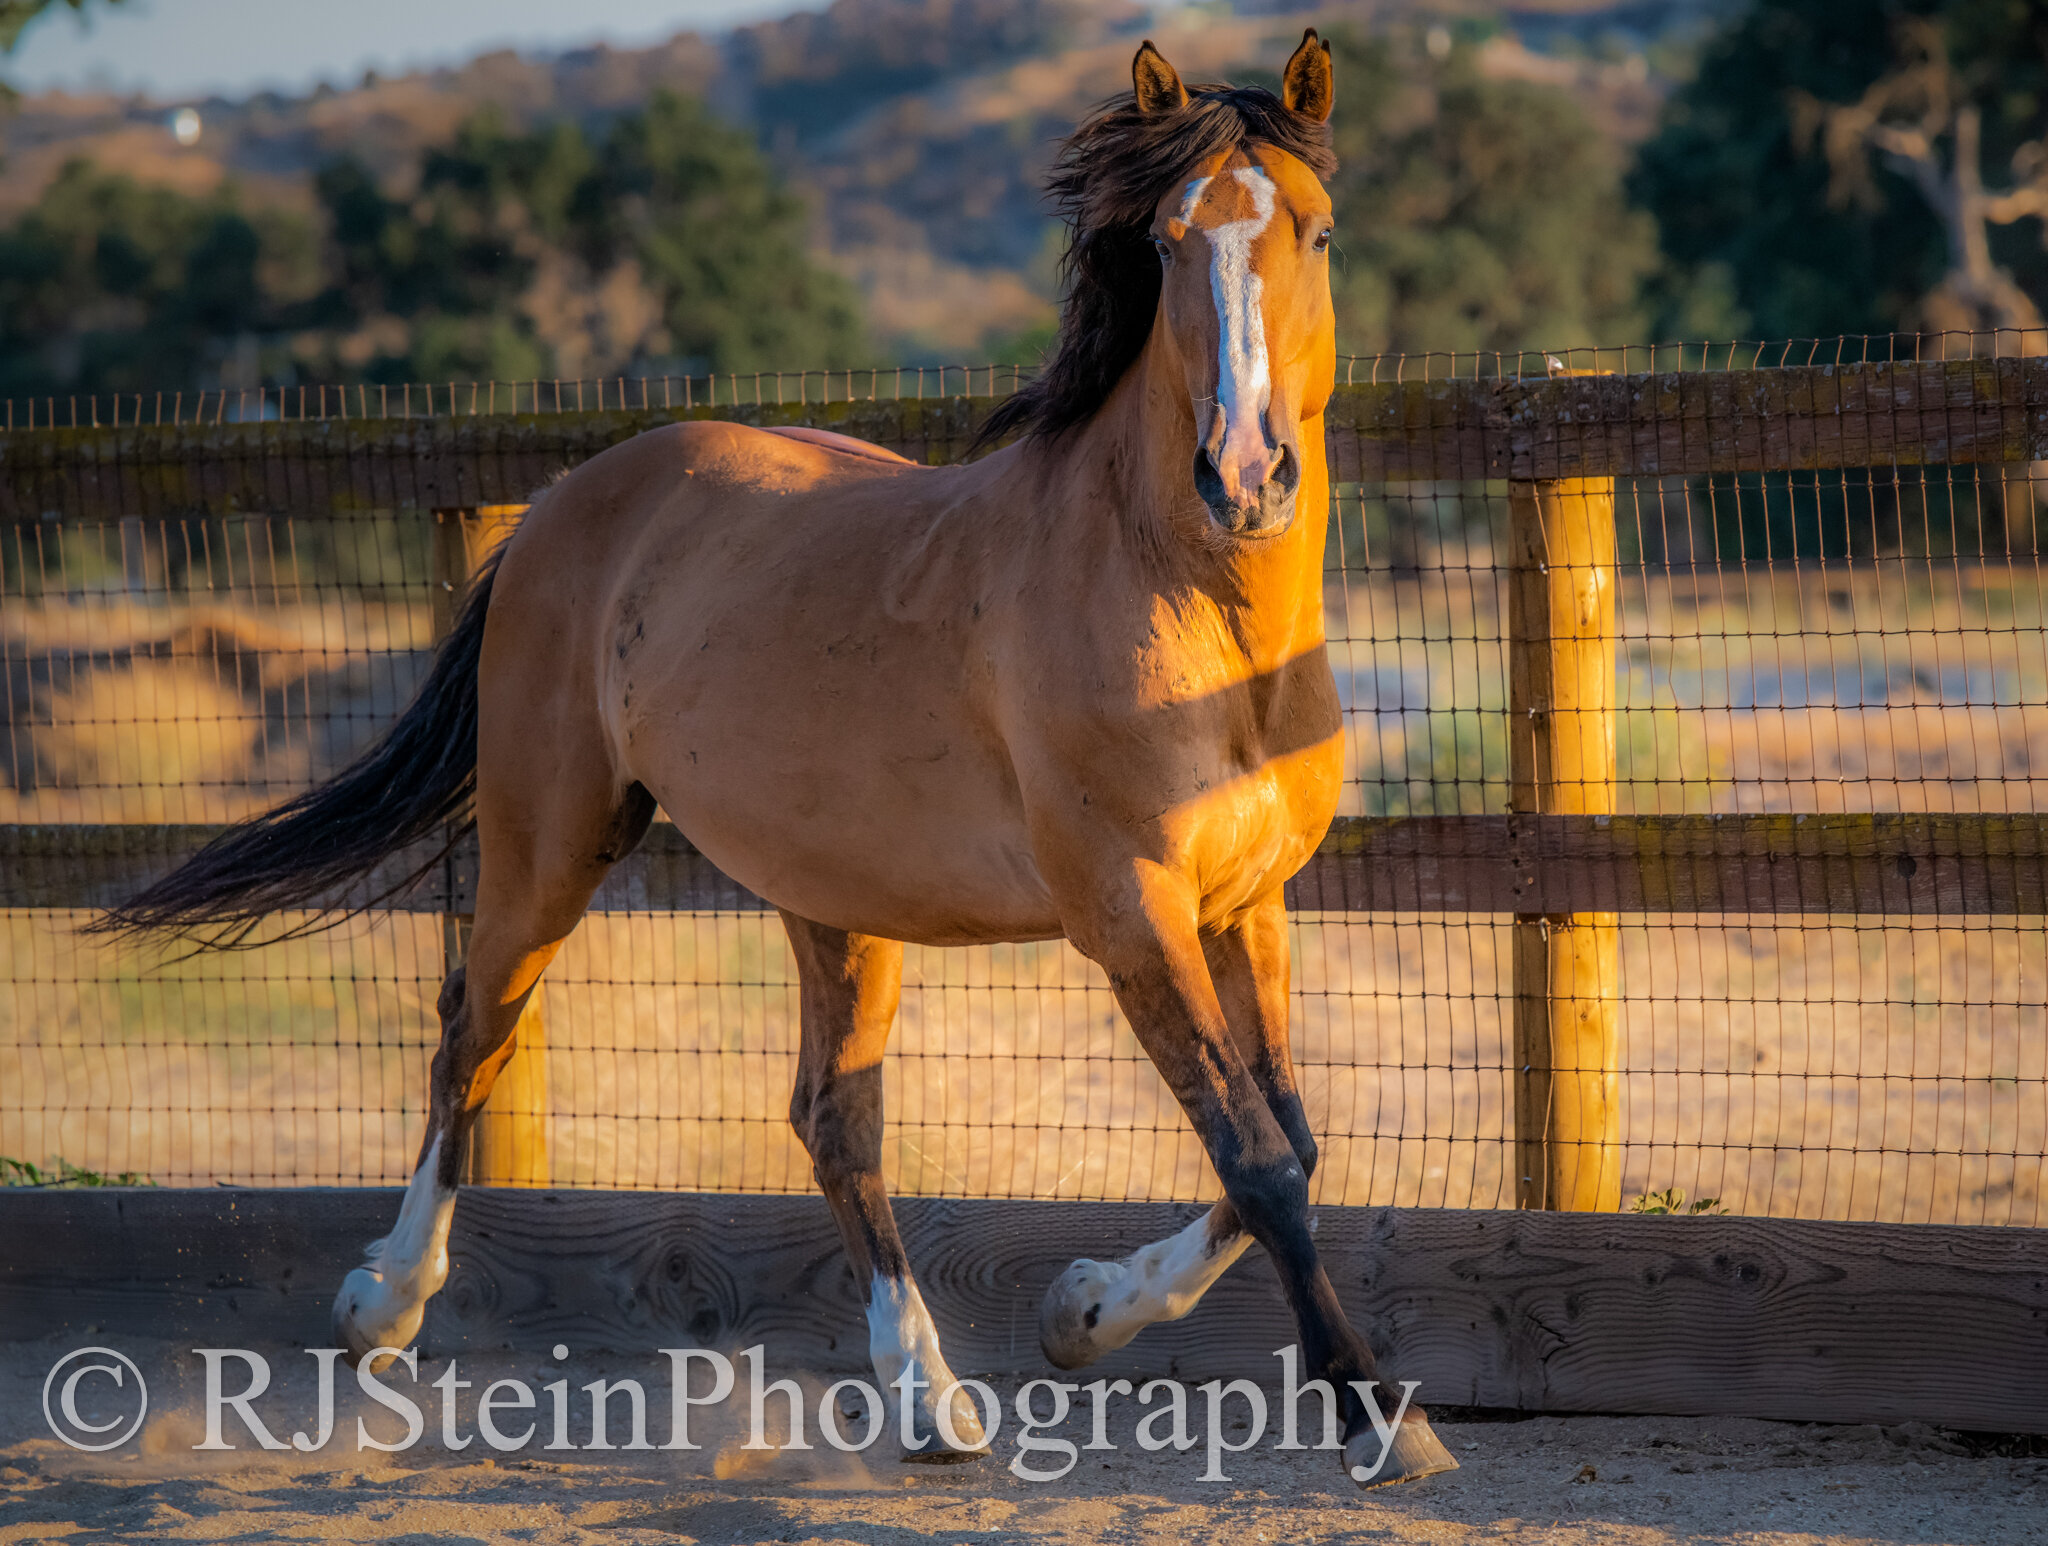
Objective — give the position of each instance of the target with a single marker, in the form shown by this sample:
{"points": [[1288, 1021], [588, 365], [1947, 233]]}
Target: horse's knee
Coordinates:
{"points": [[1304, 1143], [1287, 1111], [839, 1120], [1272, 1191]]}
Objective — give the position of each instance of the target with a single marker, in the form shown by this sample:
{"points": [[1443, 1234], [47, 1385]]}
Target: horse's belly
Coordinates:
{"points": [[918, 842]]}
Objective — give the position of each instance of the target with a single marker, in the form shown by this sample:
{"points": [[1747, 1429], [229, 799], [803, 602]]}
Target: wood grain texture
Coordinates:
{"points": [[1542, 1311], [383, 464], [1945, 412], [1566, 965], [1912, 414], [1913, 864], [1924, 865]]}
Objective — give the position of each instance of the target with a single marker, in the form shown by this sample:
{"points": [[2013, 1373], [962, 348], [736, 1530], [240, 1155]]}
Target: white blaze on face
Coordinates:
{"points": [[1244, 382]]}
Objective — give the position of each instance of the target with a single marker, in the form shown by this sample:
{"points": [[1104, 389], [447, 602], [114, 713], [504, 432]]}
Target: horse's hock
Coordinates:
{"points": [[1690, 845]]}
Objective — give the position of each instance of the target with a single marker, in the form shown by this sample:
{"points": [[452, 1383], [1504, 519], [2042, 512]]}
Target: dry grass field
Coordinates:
{"points": [[1824, 1067]]}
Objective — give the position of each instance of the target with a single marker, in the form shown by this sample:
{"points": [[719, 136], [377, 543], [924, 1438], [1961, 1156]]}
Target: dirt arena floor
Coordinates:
{"points": [[1539, 1481]]}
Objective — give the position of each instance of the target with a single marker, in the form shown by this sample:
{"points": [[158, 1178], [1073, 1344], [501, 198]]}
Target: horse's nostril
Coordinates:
{"points": [[1208, 481], [1287, 472]]}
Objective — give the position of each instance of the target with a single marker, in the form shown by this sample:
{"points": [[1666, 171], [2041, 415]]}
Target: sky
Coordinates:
{"points": [[174, 49]]}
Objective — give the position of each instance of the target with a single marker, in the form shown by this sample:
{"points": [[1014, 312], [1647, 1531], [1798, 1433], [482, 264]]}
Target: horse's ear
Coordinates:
{"points": [[1156, 82], [1307, 86]]}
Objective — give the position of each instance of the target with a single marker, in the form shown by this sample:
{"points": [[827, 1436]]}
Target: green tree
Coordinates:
{"points": [[17, 16], [669, 245], [719, 239], [1747, 197], [110, 285], [1475, 213], [430, 287]]}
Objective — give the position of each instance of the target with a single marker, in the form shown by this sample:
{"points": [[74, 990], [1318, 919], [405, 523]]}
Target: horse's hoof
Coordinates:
{"points": [[938, 1453], [1415, 1453], [367, 1316], [930, 1446], [1070, 1318]]}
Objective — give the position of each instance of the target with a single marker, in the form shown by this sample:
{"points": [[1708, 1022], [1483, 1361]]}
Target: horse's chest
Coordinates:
{"points": [[1254, 831], [1235, 784]]}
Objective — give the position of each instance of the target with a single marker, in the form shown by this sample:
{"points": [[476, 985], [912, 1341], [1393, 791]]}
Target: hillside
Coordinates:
{"points": [[919, 129]]}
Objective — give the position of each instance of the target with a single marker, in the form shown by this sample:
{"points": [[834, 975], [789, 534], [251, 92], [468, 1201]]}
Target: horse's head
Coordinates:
{"points": [[1243, 245]]}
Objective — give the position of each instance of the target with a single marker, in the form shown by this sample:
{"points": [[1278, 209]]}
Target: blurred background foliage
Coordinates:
{"points": [[1475, 213], [1747, 204], [861, 183]]}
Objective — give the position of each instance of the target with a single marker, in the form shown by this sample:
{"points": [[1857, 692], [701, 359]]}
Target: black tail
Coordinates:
{"points": [[413, 787]]}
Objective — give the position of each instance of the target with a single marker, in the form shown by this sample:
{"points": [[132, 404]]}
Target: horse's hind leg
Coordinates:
{"points": [[547, 837], [850, 986]]}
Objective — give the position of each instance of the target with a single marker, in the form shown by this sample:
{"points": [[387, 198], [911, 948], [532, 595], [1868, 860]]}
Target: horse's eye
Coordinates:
{"points": [[1165, 252], [1323, 240]]}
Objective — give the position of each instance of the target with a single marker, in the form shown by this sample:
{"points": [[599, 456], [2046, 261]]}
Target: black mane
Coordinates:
{"points": [[1106, 182]]}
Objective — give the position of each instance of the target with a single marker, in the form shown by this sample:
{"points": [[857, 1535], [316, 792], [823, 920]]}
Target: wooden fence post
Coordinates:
{"points": [[509, 1144], [1567, 968]]}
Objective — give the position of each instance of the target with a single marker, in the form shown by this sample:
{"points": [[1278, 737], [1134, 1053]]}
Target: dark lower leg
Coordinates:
{"points": [[850, 985], [1260, 1147]]}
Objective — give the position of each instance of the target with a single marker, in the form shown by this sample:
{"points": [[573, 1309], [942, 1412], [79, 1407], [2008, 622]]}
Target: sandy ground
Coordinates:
{"points": [[1543, 1481]]}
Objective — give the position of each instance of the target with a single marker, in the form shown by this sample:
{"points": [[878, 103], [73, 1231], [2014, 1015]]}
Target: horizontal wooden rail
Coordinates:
{"points": [[1950, 412], [1783, 1318], [1922, 865]]}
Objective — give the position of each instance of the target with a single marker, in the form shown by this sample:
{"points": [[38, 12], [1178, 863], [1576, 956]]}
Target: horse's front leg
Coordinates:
{"points": [[1146, 938], [850, 985], [1095, 1307]]}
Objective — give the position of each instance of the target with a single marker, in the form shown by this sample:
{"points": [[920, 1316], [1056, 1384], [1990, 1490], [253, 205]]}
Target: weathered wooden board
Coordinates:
{"points": [[1566, 967], [340, 464], [1542, 1311], [1933, 863], [1911, 414], [1927, 864], [1952, 412]]}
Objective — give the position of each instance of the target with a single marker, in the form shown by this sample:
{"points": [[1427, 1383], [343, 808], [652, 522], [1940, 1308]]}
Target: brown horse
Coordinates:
{"points": [[1077, 688]]}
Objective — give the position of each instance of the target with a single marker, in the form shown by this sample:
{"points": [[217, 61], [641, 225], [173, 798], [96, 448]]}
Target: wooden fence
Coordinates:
{"points": [[1563, 862]]}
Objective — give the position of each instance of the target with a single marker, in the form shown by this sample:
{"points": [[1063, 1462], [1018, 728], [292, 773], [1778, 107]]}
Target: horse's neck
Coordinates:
{"points": [[1137, 457]]}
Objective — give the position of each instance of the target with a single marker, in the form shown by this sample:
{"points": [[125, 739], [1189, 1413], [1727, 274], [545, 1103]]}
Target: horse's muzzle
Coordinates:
{"points": [[1265, 511]]}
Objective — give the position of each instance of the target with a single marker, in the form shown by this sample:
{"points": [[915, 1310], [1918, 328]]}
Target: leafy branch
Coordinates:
{"points": [[17, 1172], [1920, 122], [1672, 1200], [16, 16]]}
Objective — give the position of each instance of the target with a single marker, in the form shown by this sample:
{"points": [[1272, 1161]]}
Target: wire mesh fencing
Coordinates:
{"points": [[1777, 842]]}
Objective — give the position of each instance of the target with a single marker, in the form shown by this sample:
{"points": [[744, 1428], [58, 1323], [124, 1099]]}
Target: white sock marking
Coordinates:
{"points": [[414, 1256], [1159, 1282], [384, 1301], [902, 1338]]}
